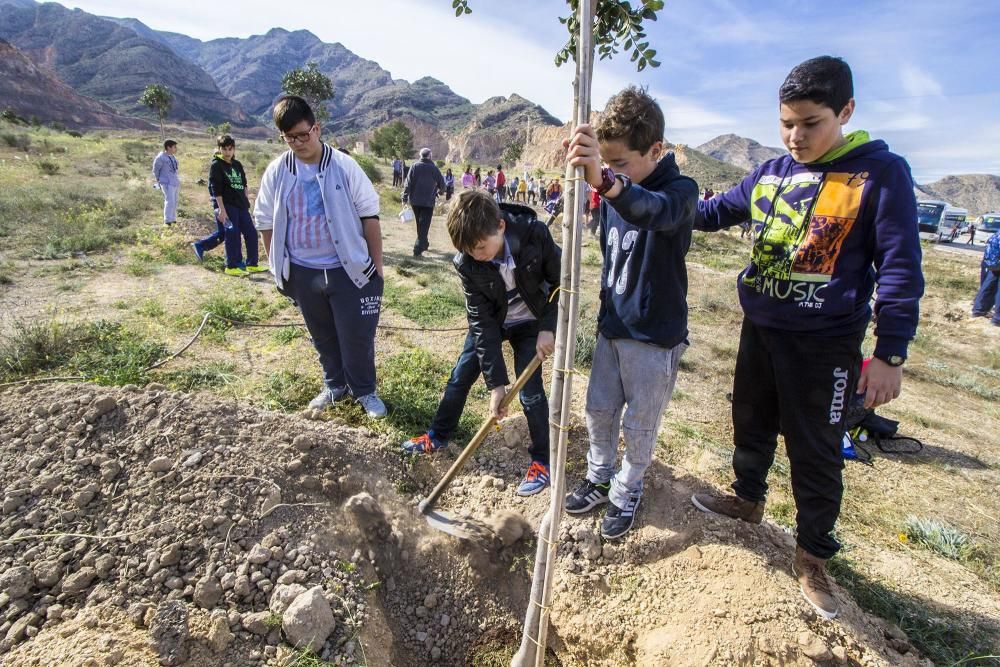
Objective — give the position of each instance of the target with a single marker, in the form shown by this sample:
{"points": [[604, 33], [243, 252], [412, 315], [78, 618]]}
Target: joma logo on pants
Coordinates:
{"points": [[839, 393]]}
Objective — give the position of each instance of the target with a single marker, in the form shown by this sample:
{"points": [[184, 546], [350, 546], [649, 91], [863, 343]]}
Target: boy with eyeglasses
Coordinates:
{"points": [[318, 214]]}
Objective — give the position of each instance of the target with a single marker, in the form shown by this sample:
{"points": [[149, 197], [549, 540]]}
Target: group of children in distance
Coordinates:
{"points": [[837, 215]]}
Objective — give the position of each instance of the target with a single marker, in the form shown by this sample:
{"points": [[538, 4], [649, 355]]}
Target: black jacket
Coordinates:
{"points": [[229, 181], [536, 274], [645, 235]]}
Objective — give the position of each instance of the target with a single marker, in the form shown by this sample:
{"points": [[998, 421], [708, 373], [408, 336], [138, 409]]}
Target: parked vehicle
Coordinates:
{"points": [[939, 220], [989, 223]]}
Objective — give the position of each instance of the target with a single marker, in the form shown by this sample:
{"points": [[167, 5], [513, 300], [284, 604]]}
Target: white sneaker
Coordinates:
{"points": [[327, 397], [373, 405]]}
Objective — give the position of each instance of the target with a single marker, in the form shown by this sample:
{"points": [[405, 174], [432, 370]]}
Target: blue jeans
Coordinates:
{"points": [[522, 338], [637, 379], [242, 228], [988, 296], [213, 240]]}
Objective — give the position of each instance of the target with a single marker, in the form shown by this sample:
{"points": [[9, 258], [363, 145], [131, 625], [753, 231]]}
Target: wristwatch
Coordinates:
{"points": [[893, 360], [607, 181]]}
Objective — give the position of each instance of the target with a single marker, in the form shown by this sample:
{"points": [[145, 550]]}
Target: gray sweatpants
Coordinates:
{"points": [[170, 202], [637, 378]]}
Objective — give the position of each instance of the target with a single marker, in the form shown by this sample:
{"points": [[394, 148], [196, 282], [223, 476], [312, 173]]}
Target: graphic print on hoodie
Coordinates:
{"points": [[827, 230], [805, 218]]}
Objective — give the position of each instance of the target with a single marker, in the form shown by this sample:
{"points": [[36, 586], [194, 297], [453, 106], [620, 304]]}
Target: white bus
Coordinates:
{"points": [[989, 223], [939, 220]]}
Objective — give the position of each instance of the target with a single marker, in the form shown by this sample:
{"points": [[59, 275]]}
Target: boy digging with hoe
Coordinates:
{"points": [[509, 266]]}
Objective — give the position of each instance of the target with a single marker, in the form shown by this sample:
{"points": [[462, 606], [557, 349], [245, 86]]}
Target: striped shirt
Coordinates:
{"points": [[517, 309], [309, 241]]}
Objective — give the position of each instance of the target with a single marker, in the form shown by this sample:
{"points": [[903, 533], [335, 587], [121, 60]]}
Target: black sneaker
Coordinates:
{"points": [[586, 496], [617, 520]]}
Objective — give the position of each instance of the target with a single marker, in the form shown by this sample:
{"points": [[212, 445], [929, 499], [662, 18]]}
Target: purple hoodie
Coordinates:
{"points": [[828, 232]]}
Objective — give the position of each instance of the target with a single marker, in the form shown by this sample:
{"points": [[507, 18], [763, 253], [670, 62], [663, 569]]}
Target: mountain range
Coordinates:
{"points": [[112, 60], [84, 70]]}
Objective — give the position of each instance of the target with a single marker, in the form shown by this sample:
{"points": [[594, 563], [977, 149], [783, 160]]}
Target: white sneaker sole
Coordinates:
{"points": [[828, 615], [592, 505], [694, 501], [525, 494]]}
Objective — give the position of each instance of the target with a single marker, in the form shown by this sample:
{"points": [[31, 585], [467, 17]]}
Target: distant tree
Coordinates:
{"points": [[312, 85], [512, 154], [158, 98], [221, 128], [392, 141]]}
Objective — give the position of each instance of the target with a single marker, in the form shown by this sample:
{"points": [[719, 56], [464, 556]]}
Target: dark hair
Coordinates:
{"points": [[634, 117], [825, 80], [168, 143], [225, 140], [473, 217], [290, 110]]}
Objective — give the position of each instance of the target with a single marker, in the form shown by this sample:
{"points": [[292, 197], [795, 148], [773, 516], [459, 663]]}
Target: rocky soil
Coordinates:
{"points": [[141, 526]]}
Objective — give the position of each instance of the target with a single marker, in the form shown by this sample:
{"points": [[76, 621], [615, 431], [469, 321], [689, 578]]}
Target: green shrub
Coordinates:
{"points": [[111, 354], [103, 352], [937, 536], [289, 391], [286, 335], [47, 167], [35, 346], [22, 142], [369, 167]]}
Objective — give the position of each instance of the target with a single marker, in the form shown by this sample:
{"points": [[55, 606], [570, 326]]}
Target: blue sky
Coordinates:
{"points": [[925, 71]]}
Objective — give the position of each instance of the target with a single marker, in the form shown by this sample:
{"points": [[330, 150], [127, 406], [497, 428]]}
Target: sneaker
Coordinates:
{"points": [[327, 397], [618, 520], [535, 480], [236, 271], [814, 583], [254, 268], [586, 496], [729, 505], [424, 444], [198, 252], [373, 405]]}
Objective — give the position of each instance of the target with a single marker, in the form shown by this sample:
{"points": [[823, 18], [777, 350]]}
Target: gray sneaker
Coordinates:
{"points": [[373, 405], [327, 397]]}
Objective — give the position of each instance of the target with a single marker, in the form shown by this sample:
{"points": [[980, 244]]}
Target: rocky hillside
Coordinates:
{"points": [[979, 193], [112, 63], [366, 96], [744, 153], [497, 123], [30, 90]]}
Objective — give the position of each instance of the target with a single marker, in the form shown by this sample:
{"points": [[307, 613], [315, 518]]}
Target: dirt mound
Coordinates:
{"points": [[143, 527]]}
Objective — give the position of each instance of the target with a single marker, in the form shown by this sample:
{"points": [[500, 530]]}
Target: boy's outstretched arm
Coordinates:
{"points": [[656, 211], [729, 209], [900, 283]]}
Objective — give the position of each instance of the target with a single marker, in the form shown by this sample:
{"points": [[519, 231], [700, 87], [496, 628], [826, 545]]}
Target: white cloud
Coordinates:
{"points": [[918, 82]]}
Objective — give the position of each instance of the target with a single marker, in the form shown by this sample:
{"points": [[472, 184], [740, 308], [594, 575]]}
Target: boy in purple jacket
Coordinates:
{"points": [[837, 216]]}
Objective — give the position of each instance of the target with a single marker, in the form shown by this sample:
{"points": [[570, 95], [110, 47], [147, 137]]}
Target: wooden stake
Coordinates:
{"points": [[535, 634]]}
